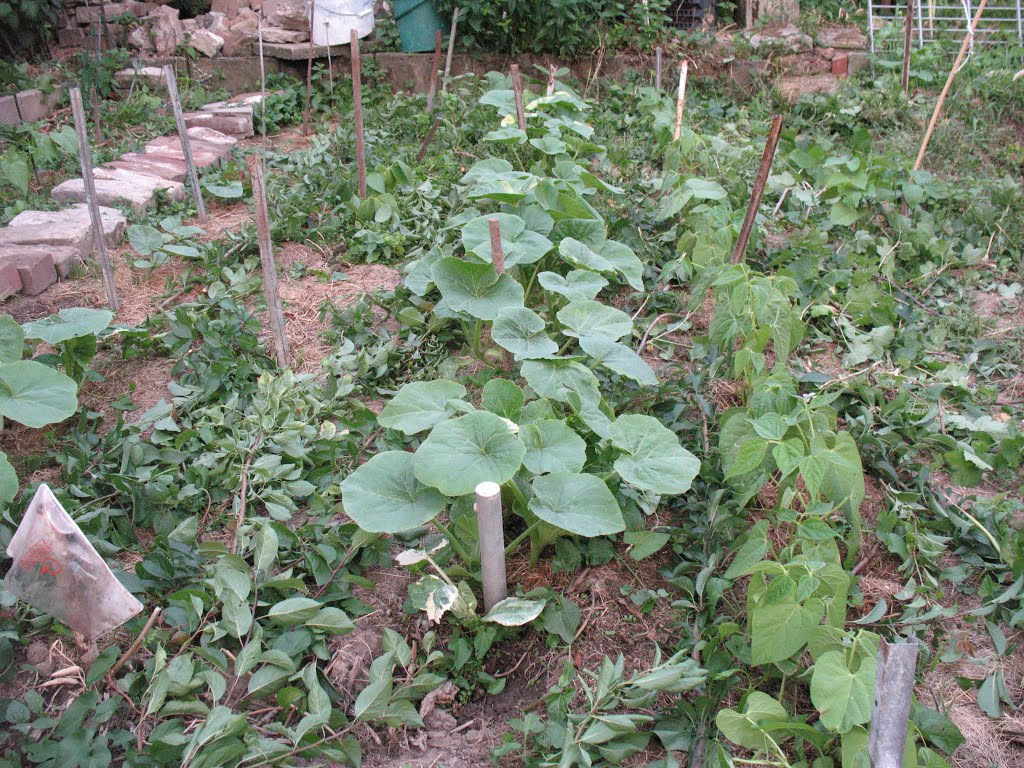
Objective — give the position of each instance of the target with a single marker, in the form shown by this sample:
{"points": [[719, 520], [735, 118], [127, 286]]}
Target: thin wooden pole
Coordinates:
{"points": [[309, 70], [435, 64], [430, 137], [755, 196], [551, 80], [99, 237], [492, 543], [684, 70], [97, 129], [186, 147], [517, 89], [263, 83], [357, 107], [890, 711], [497, 252], [908, 34], [451, 49], [270, 288], [657, 68]]}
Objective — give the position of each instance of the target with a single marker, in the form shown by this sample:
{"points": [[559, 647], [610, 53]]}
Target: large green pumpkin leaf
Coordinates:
{"points": [[504, 398], [578, 285], [607, 256], [420, 405], [462, 453], [577, 503], [619, 358], [384, 496], [592, 318], [68, 324], [551, 446], [652, 459], [843, 697], [12, 340], [519, 245], [8, 480], [521, 332], [476, 288], [556, 379], [36, 395]]}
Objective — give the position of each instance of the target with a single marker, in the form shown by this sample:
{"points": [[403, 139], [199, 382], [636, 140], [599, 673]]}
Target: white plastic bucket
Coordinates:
{"points": [[333, 20]]}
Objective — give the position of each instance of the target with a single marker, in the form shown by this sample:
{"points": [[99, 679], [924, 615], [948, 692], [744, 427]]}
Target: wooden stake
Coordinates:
{"points": [[890, 712], [497, 253], [451, 49], [99, 238], [657, 68], [263, 83], [357, 107], [758, 191], [492, 543], [186, 147], [517, 89], [684, 69], [435, 63], [134, 647], [309, 70], [551, 80], [908, 33], [270, 289], [430, 137], [97, 129]]}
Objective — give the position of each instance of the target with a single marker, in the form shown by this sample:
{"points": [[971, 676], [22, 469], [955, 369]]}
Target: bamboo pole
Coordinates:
{"points": [[357, 107], [517, 89], [99, 237], [755, 197], [435, 64], [451, 49], [908, 33], [270, 287], [890, 712], [186, 146], [309, 70], [497, 252], [492, 543], [684, 69]]}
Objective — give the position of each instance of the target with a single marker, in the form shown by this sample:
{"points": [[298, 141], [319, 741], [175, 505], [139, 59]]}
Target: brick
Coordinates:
{"points": [[840, 64], [36, 271]]}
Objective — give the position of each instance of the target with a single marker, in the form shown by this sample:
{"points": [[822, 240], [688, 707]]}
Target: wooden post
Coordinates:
{"points": [[270, 289], [890, 712], [497, 253], [435, 64], [430, 137], [492, 543], [908, 33], [451, 49], [97, 129], [684, 69], [357, 108], [517, 89], [99, 238], [657, 69], [263, 82], [755, 196], [309, 70], [552, 69], [186, 147]]}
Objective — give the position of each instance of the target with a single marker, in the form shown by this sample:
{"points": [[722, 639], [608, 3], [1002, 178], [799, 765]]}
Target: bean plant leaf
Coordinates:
{"points": [[476, 288], [420, 405], [652, 460], [521, 332], [294, 610], [620, 359], [515, 611], [384, 496], [68, 324], [12, 340], [780, 625], [745, 728], [36, 395], [577, 503], [578, 285], [843, 697], [592, 318], [552, 446], [519, 245], [462, 453]]}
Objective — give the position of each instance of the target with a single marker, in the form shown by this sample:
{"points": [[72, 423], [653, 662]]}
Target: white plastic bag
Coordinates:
{"points": [[58, 571]]}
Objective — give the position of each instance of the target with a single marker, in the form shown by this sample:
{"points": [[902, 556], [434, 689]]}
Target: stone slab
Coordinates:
{"points": [[164, 167], [64, 257], [26, 106], [10, 280], [203, 154], [238, 125], [71, 227], [300, 51], [211, 136], [116, 187], [153, 77], [35, 270]]}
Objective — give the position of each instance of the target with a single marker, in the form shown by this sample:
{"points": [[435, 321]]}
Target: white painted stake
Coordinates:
{"points": [[186, 147], [492, 543], [270, 288], [657, 68], [684, 68], [451, 49], [890, 713], [99, 237]]}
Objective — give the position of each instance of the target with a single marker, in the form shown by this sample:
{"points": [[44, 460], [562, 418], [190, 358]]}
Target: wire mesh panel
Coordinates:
{"points": [[944, 22], [686, 14]]}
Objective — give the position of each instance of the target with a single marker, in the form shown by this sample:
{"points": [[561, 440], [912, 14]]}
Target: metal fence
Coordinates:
{"points": [[944, 22]]}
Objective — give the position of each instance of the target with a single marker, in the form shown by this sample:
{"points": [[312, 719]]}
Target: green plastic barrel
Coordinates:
{"points": [[417, 22]]}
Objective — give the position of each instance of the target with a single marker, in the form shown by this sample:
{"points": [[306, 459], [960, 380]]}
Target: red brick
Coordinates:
{"points": [[840, 64]]}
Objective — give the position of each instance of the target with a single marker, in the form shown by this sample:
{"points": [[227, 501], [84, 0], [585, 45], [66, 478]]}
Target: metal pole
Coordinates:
{"points": [[1020, 25], [920, 26], [451, 50], [755, 197], [186, 147], [357, 107], [871, 25], [492, 543], [657, 69], [99, 237], [270, 288], [890, 712]]}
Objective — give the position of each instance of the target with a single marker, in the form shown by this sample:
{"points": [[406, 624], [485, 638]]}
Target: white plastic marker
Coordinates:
{"points": [[684, 68], [492, 543]]}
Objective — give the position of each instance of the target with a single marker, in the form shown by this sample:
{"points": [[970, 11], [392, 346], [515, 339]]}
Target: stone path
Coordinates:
{"points": [[38, 247]]}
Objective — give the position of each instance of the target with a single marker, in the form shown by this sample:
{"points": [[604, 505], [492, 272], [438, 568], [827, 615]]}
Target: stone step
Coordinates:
{"points": [[116, 186], [245, 99], [164, 167], [34, 268], [69, 227], [211, 136], [203, 153], [153, 77], [238, 124], [64, 257]]}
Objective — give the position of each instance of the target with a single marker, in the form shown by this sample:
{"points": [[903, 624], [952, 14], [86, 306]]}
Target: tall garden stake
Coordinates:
{"points": [[890, 712], [497, 252], [270, 288], [552, 70], [657, 69], [684, 70], [451, 49], [435, 64], [357, 108], [309, 70], [263, 82], [908, 34], [492, 543], [517, 89], [99, 237], [758, 190], [430, 137], [186, 146]]}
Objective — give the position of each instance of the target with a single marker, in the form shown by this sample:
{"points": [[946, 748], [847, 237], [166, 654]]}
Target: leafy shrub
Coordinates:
{"points": [[27, 25]]}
